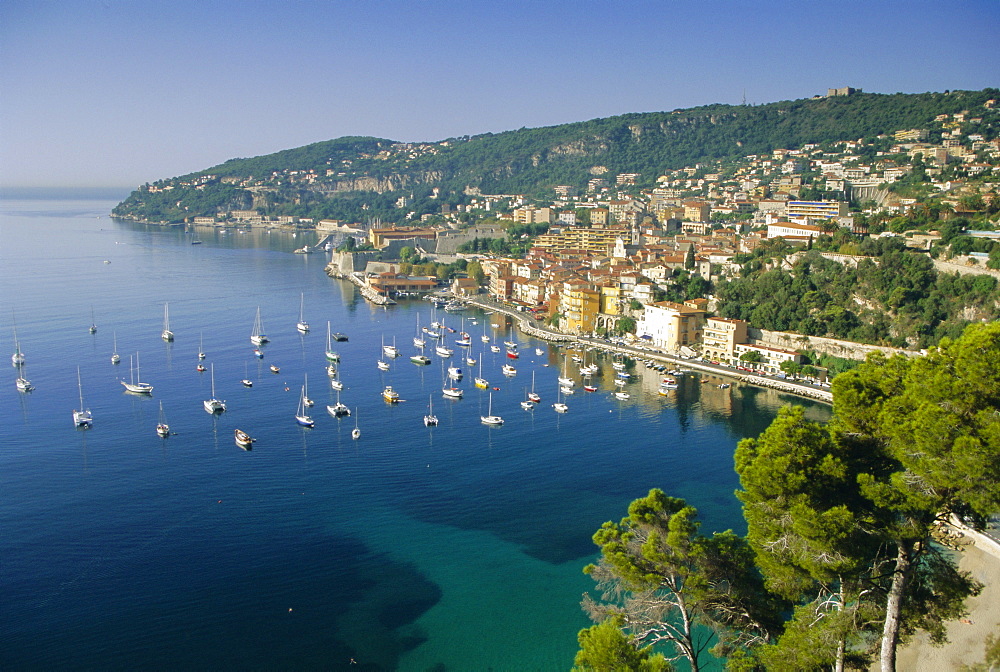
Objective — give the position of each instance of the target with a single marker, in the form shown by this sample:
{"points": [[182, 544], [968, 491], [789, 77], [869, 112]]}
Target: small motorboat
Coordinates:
{"points": [[243, 440]]}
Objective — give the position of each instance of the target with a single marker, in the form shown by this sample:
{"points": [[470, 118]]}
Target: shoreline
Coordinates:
{"points": [[807, 391], [980, 557]]}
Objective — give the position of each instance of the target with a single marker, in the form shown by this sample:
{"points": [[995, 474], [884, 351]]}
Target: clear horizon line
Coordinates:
{"points": [[49, 191]]}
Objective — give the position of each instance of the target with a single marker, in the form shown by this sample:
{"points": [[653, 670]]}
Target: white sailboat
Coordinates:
{"points": [[533, 396], [564, 379], [214, 405], [301, 416], [93, 323], [23, 384], [115, 357], [463, 336], [82, 417], [527, 404], [330, 353], [17, 359], [201, 349], [489, 418], [246, 376], [257, 335], [305, 392], [302, 325], [418, 340], [481, 382], [166, 335], [135, 384], [559, 406], [338, 410], [430, 419], [355, 433], [162, 428], [452, 392], [390, 350]]}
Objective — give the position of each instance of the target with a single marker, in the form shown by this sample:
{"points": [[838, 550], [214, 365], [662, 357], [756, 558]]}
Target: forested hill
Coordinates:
{"points": [[336, 178]]}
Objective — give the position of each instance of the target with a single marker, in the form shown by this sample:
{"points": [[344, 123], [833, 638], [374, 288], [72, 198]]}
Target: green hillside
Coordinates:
{"points": [[357, 178]]}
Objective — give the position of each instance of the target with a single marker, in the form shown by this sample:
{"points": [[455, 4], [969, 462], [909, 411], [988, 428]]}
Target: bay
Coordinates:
{"points": [[458, 547]]}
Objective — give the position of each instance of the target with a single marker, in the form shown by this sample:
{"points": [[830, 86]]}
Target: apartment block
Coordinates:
{"points": [[719, 338], [791, 231], [529, 215], [816, 209], [599, 217], [911, 135], [670, 325], [611, 298], [593, 240], [771, 358], [697, 211], [579, 307]]}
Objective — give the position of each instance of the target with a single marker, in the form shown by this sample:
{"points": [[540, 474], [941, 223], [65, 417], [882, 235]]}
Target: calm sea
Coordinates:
{"points": [[458, 547]]}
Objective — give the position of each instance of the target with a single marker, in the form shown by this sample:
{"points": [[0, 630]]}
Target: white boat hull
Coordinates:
{"points": [[338, 410]]}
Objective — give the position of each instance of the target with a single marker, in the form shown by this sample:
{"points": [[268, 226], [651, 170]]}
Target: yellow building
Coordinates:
{"points": [[379, 238], [697, 211], [599, 216], [611, 298], [579, 307], [594, 240]]}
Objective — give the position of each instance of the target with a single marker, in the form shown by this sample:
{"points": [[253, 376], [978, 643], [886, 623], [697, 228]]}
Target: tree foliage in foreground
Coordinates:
{"points": [[605, 648], [671, 588], [844, 516], [843, 521]]}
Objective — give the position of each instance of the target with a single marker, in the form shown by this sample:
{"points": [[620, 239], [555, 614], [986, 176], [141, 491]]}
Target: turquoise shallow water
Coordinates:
{"points": [[452, 548]]}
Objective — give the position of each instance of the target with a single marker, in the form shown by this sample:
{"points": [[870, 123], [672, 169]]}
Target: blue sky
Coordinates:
{"points": [[113, 93]]}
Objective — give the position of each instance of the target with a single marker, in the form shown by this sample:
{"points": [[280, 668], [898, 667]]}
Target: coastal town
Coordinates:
{"points": [[609, 252], [607, 257]]}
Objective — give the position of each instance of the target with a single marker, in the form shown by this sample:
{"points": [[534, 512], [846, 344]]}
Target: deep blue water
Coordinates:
{"points": [[459, 547]]}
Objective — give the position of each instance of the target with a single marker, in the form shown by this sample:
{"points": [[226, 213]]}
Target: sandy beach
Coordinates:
{"points": [[967, 637]]}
